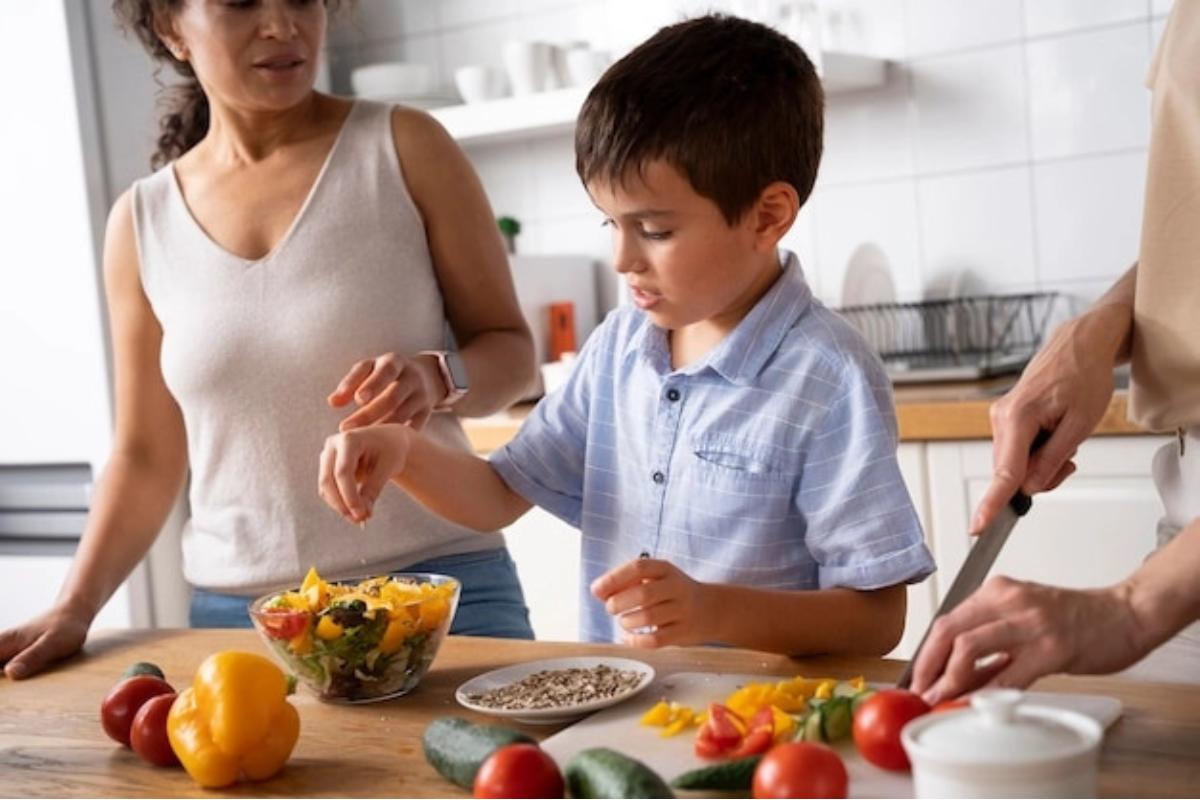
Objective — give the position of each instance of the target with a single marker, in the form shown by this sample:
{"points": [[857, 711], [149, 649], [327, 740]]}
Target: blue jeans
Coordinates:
{"points": [[491, 604]]}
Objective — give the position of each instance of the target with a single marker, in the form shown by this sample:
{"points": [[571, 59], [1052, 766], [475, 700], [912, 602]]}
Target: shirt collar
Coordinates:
{"points": [[741, 356]]}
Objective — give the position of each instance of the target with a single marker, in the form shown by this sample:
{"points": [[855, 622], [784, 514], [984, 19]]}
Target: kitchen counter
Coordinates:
{"points": [[925, 412], [51, 742]]}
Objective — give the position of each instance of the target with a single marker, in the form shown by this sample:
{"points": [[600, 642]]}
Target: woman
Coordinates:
{"points": [[296, 254]]}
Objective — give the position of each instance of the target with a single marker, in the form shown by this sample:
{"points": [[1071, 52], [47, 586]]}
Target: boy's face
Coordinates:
{"points": [[684, 263]]}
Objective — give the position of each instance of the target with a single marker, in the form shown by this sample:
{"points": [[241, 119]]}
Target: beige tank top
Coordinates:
{"points": [[1166, 332], [251, 350]]}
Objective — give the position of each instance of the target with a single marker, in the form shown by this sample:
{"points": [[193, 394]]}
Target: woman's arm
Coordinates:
{"points": [[140, 482], [471, 265]]}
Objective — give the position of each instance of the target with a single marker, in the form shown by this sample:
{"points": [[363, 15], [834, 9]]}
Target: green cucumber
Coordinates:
{"points": [[860, 698], [836, 719], [813, 725], [144, 668], [456, 748], [601, 772], [728, 776]]}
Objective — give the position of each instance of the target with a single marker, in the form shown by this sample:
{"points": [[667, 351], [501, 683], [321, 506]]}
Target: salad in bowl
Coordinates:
{"points": [[359, 641]]}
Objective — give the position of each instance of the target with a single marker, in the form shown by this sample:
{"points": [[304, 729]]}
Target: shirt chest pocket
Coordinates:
{"points": [[739, 483], [723, 458]]}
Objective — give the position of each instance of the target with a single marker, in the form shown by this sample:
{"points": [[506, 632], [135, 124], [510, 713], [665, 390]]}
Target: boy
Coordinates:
{"points": [[725, 444]]}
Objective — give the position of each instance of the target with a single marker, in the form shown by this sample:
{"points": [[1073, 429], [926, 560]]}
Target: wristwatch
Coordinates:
{"points": [[454, 375]]}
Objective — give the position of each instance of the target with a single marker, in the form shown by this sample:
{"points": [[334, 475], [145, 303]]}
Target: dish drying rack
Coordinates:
{"points": [[955, 339]]}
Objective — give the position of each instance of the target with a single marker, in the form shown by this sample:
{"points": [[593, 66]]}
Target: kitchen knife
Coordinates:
{"points": [[979, 561]]}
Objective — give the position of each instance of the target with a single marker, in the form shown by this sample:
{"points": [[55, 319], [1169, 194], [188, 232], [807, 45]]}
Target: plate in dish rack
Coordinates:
{"points": [[468, 695]]}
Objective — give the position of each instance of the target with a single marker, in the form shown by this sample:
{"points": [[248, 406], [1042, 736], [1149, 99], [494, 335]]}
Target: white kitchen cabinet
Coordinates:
{"points": [[31, 583], [546, 551], [922, 597], [1091, 531]]}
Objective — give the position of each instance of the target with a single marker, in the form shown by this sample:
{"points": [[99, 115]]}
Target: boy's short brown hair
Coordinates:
{"points": [[732, 104]]}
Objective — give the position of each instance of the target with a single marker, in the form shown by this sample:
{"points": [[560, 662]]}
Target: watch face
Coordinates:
{"points": [[458, 370]]}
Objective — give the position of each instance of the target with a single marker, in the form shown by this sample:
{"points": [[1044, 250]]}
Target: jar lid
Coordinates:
{"points": [[998, 729]]}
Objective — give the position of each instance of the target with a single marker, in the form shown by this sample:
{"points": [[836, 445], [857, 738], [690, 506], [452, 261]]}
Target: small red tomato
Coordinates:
{"points": [[877, 725], [952, 705], [148, 736], [124, 700], [283, 623], [519, 770], [801, 769]]}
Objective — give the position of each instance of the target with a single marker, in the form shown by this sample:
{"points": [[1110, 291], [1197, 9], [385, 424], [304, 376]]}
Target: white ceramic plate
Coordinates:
{"points": [[547, 716]]}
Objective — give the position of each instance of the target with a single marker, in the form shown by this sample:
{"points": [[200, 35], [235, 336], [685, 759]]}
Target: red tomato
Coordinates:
{"points": [[877, 725], [801, 769], [148, 736], [760, 734], [952, 705], [283, 623], [124, 700], [720, 734], [519, 770]]}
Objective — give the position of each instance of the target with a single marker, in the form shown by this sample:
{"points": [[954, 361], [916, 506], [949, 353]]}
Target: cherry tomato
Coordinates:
{"points": [[124, 700], [519, 770], [878, 722], [952, 705], [801, 769], [148, 735], [283, 623]]}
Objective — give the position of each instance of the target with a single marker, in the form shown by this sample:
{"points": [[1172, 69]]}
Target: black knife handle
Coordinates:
{"points": [[1021, 502]]}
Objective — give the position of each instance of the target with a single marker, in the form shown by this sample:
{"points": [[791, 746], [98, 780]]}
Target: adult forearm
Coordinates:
{"points": [[1164, 592], [458, 486], [501, 369], [826, 621], [1108, 325], [131, 503]]}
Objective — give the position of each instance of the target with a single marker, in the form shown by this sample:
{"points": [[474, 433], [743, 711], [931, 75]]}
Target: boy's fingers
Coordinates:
{"points": [[618, 578], [345, 468], [659, 637], [668, 612], [345, 389], [327, 486]]}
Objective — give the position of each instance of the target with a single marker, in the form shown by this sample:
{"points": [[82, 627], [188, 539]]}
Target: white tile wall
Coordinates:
{"points": [[1008, 145]]}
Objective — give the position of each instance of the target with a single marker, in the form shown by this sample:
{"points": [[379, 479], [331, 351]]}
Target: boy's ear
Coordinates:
{"points": [[774, 213]]}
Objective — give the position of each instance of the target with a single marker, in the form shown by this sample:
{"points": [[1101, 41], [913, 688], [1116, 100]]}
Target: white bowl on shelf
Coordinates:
{"points": [[392, 79], [477, 83]]}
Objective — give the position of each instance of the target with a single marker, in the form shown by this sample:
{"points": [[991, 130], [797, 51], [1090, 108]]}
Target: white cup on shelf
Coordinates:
{"points": [[585, 66], [529, 66], [478, 83]]}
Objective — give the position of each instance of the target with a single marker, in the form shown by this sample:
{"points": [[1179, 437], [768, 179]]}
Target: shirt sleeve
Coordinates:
{"points": [[544, 462], [861, 527]]}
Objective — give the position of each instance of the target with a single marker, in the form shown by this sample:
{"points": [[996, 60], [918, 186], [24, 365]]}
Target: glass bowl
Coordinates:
{"points": [[359, 641]]}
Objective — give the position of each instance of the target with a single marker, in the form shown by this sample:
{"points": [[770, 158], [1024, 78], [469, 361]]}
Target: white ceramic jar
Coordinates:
{"points": [[1002, 747]]}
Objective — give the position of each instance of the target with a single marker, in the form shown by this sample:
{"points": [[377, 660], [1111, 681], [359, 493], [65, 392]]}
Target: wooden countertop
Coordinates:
{"points": [[51, 743], [925, 412]]}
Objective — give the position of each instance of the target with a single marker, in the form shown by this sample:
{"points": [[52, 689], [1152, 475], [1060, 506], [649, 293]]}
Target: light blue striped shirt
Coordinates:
{"points": [[770, 463]]}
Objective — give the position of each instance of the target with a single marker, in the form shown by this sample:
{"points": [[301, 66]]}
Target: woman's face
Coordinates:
{"points": [[255, 55]]}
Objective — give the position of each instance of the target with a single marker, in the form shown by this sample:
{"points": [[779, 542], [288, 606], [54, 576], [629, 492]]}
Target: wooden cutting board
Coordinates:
{"points": [[619, 728]]}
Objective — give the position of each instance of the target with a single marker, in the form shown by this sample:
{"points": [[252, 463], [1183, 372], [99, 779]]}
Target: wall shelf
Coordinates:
{"points": [[554, 112]]}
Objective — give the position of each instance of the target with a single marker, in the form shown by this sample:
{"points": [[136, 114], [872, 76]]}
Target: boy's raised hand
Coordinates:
{"points": [[357, 464], [656, 603]]}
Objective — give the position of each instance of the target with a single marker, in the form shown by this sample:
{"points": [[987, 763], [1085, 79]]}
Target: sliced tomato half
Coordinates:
{"points": [[283, 623]]}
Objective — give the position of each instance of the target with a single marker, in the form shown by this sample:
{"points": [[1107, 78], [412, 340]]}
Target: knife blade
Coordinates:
{"points": [[979, 560]]}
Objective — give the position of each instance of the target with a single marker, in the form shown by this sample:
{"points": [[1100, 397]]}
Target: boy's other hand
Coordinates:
{"points": [[357, 464], [656, 603], [389, 388]]}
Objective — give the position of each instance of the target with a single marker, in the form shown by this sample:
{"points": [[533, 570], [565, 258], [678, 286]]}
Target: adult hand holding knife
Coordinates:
{"points": [[956, 612]]}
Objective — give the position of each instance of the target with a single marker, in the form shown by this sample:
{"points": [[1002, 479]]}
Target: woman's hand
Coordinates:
{"points": [[1010, 633], [656, 603], [357, 464], [1065, 390], [28, 649], [390, 388]]}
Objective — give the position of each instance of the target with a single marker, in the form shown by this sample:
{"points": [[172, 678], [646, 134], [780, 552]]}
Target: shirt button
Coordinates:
{"points": [[673, 395], [658, 477]]}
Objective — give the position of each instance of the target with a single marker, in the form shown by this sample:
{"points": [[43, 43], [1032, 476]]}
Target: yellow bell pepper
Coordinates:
{"points": [[234, 720]]}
